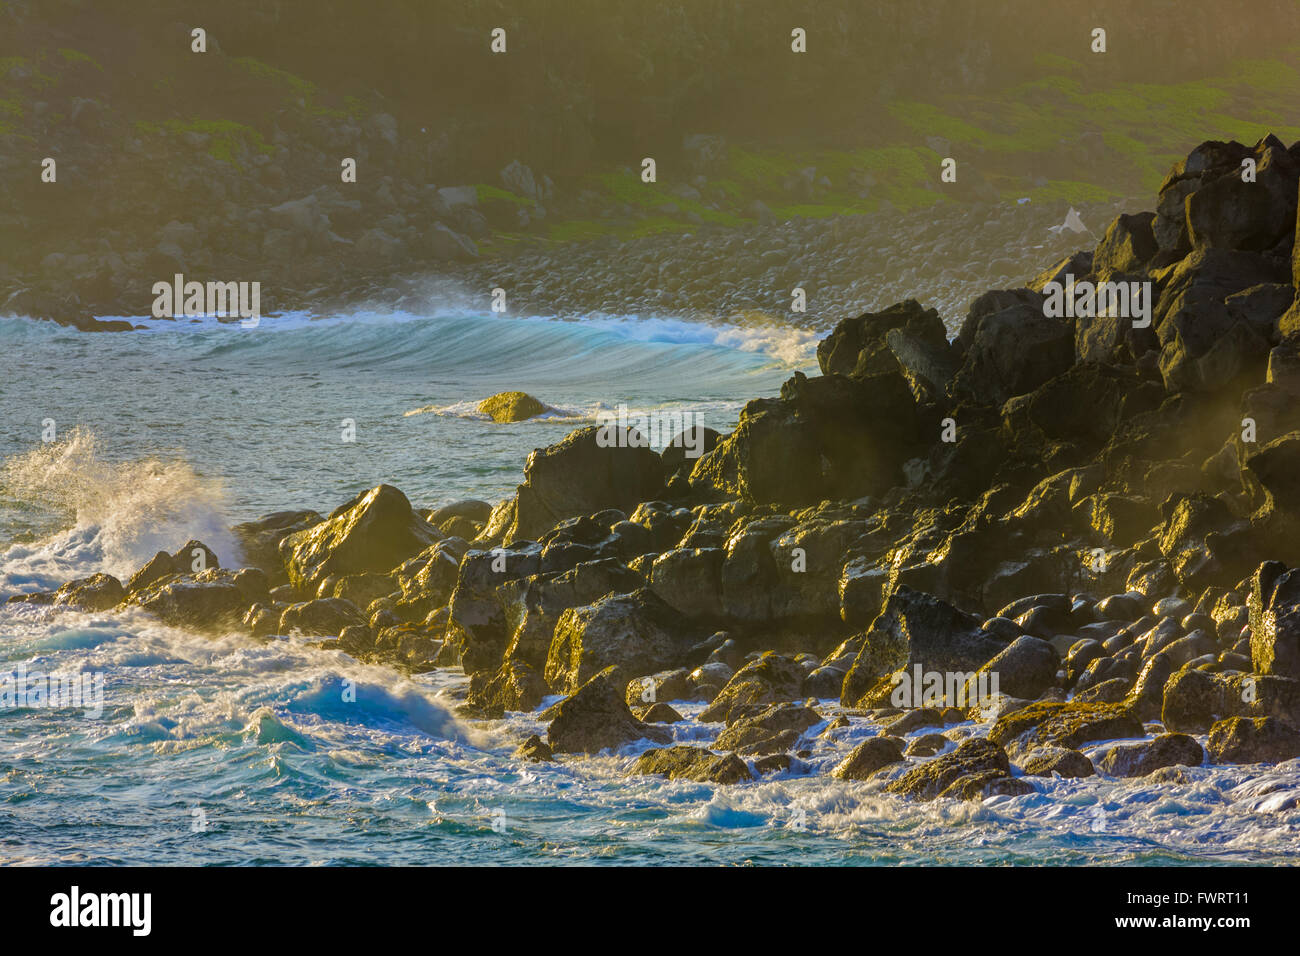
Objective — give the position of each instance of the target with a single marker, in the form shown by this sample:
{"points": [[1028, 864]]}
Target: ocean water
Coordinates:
{"points": [[234, 751]]}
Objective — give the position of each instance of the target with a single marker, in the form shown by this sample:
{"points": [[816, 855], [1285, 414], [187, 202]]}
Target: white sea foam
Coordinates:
{"points": [[115, 515]]}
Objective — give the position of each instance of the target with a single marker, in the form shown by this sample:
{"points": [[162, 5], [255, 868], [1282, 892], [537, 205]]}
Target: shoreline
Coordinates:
{"points": [[1055, 527]]}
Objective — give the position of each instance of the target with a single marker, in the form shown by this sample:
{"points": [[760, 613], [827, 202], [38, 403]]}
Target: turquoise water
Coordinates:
{"points": [[233, 751]]}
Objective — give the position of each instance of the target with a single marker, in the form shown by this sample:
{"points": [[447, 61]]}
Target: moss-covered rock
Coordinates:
{"points": [[1064, 724], [935, 776], [692, 763], [868, 757], [506, 407]]}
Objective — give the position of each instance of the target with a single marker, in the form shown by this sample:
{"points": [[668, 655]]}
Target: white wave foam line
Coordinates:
{"points": [[710, 413], [121, 513], [793, 347]]}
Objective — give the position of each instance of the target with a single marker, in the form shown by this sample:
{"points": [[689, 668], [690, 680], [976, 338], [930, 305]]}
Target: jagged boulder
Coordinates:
{"points": [[214, 600], [533, 605], [99, 592], [635, 634], [1010, 351], [374, 532], [595, 718], [589, 470], [827, 437], [259, 540], [917, 629]]}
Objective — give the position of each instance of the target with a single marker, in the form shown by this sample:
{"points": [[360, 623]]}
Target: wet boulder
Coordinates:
{"points": [[505, 407], [99, 592], [868, 757], [320, 617], [259, 541], [932, 778], [1146, 756], [596, 718], [1274, 606], [1046, 761], [918, 629], [1063, 724], [514, 687], [692, 763], [1253, 740], [636, 634], [213, 601], [374, 532], [773, 729], [771, 678]]}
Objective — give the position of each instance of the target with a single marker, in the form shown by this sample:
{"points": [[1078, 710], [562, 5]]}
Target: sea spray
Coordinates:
{"points": [[114, 515]]}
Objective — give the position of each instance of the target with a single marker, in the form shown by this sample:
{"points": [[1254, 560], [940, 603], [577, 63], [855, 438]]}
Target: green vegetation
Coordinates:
{"points": [[76, 56], [226, 139], [488, 193]]}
